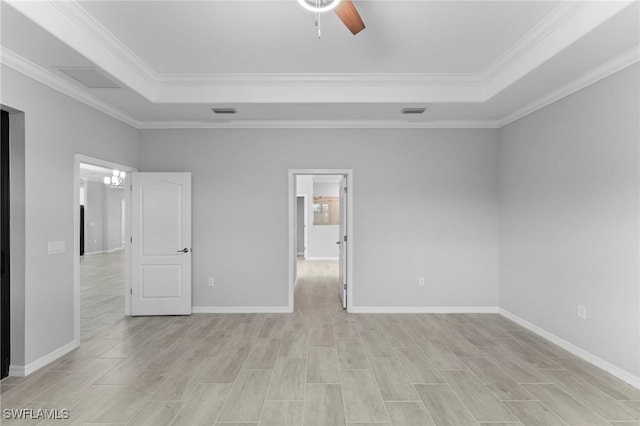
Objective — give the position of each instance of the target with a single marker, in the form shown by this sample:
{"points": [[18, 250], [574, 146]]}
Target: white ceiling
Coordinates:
{"points": [[471, 63], [279, 36]]}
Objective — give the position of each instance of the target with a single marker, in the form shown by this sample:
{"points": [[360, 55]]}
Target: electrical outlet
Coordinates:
{"points": [[582, 311], [212, 282], [421, 281]]}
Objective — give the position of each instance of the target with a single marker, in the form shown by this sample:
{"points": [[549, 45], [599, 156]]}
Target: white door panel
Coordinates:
{"points": [[161, 229], [342, 207]]}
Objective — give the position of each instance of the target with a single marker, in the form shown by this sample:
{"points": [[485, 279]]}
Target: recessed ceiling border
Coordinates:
{"points": [[46, 77], [70, 22]]}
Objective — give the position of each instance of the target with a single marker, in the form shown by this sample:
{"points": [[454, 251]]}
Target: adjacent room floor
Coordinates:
{"points": [[317, 366], [101, 292]]}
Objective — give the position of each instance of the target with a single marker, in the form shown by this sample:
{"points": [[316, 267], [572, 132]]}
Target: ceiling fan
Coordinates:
{"points": [[345, 9]]}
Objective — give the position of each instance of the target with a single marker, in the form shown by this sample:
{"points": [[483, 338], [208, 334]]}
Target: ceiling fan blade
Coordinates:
{"points": [[348, 14]]}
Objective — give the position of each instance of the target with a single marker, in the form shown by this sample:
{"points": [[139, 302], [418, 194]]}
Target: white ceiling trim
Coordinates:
{"points": [[20, 64], [320, 124], [560, 30], [99, 32], [617, 64], [549, 24], [290, 93], [72, 24], [312, 79], [44, 76]]}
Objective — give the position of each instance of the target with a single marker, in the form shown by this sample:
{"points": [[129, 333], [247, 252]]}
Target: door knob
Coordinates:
{"points": [[337, 242], [184, 250]]}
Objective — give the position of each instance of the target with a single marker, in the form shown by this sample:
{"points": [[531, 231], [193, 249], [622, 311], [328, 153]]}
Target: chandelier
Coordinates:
{"points": [[115, 180]]}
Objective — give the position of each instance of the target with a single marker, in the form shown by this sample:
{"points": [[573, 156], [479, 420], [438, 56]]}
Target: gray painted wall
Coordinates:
{"points": [[438, 217], [56, 128], [112, 237], [569, 221], [94, 217], [102, 225]]}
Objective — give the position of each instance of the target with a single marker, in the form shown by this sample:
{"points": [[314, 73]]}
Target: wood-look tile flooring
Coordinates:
{"points": [[317, 366]]}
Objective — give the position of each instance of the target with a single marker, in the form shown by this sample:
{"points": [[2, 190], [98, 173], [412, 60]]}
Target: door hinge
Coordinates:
{"points": [[131, 187], [345, 238], [131, 291], [131, 240], [344, 286]]}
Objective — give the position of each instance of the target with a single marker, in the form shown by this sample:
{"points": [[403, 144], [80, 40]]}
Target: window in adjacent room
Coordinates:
{"points": [[325, 210]]}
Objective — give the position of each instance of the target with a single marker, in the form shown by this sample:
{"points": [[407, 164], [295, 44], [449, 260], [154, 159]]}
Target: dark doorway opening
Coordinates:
{"points": [[4, 246]]}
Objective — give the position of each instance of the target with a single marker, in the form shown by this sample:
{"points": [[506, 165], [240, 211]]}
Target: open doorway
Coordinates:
{"points": [[320, 257], [101, 255]]}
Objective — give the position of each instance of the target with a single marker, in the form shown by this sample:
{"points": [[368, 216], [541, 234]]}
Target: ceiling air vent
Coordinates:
{"points": [[91, 77], [413, 110], [224, 110]]}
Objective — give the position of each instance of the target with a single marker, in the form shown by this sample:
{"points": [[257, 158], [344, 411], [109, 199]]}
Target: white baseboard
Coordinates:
{"points": [[241, 310], [424, 310], [322, 258], [25, 370], [621, 374]]}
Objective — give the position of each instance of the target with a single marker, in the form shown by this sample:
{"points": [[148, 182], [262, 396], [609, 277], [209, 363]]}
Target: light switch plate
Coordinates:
{"points": [[56, 247]]}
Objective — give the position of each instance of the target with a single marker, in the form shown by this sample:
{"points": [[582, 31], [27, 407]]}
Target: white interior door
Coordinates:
{"points": [[342, 281], [161, 244]]}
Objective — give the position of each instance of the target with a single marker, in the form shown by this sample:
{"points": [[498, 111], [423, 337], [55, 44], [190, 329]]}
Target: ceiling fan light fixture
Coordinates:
{"points": [[319, 9]]}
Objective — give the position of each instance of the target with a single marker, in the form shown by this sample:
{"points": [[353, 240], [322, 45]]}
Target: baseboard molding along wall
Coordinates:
{"points": [[25, 370], [240, 310], [424, 310], [621, 374]]}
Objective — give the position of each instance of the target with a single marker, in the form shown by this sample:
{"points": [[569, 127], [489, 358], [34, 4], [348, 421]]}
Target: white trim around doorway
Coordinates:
{"points": [[80, 158], [292, 228]]}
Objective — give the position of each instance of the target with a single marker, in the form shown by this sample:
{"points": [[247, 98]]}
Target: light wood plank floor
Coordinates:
{"points": [[317, 366]]}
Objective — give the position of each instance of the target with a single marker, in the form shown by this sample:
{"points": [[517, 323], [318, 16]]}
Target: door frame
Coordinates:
{"points": [[293, 231], [80, 158], [306, 233], [5, 245]]}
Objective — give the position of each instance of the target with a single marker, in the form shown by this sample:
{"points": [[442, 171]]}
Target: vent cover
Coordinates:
{"points": [[413, 110], [91, 77], [224, 110]]}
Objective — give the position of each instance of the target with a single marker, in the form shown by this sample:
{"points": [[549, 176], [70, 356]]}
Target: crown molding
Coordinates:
{"points": [[320, 79], [82, 32], [71, 23], [328, 124], [539, 32], [24, 66], [618, 63], [565, 25], [74, 26], [99, 32]]}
